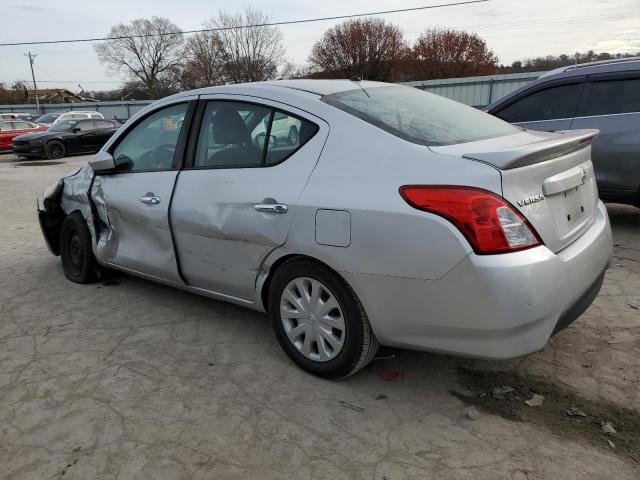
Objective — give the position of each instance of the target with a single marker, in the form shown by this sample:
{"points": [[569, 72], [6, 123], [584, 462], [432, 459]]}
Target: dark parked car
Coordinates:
{"points": [[65, 138], [603, 95]]}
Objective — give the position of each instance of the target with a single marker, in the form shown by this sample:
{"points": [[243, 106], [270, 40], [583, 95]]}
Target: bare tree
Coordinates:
{"points": [[204, 64], [238, 48], [446, 53], [146, 50], [370, 48]]}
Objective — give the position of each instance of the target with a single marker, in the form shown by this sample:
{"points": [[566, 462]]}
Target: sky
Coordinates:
{"points": [[513, 29]]}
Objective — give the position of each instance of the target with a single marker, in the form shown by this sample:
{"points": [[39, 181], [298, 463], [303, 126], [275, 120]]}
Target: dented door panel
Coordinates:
{"points": [[136, 235], [220, 235]]}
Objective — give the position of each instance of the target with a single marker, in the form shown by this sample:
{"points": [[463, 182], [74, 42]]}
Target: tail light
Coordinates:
{"points": [[488, 221]]}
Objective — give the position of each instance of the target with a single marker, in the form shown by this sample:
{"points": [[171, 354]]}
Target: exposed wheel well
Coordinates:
{"points": [[264, 293]]}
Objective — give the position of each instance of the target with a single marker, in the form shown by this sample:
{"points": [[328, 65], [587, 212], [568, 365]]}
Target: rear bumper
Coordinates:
{"points": [[493, 306]]}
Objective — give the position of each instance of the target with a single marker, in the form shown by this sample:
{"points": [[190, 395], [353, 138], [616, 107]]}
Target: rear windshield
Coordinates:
{"points": [[418, 116]]}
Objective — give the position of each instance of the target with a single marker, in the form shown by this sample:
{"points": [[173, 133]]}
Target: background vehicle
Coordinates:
{"points": [[50, 119], [18, 116], [11, 129], [398, 217], [65, 138], [603, 95]]}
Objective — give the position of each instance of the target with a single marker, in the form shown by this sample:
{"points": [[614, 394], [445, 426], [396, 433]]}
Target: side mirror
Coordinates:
{"points": [[102, 162], [76, 130]]}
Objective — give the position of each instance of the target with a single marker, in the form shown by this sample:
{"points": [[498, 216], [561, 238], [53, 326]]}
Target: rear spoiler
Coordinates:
{"points": [[551, 147]]}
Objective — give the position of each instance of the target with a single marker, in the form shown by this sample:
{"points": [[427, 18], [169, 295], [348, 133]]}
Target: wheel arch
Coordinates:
{"points": [[266, 276]]}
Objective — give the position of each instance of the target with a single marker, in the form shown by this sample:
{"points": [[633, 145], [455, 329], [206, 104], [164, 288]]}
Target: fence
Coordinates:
{"points": [[123, 109], [477, 91]]}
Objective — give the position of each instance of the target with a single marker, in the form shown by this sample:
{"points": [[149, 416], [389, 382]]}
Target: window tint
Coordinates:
{"points": [[151, 144], [287, 134], [549, 104], [418, 116], [232, 135], [103, 124], [613, 96], [85, 126], [20, 125]]}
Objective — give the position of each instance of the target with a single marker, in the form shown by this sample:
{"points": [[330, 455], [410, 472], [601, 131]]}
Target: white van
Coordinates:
{"points": [[50, 119]]}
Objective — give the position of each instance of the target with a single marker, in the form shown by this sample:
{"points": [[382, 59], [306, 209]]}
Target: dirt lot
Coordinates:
{"points": [[129, 379]]}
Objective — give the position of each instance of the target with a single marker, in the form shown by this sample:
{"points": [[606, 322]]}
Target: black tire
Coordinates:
{"points": [[360, 344], [78, 262], [55, 149], [292, 138]]}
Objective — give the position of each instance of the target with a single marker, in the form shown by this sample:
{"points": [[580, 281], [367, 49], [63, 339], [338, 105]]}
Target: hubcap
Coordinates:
{"points": [[55, 150], [293, 137], [312, 319]]}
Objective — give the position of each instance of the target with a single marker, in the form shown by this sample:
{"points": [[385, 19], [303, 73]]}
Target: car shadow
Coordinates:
{"points": [[37, 163]]}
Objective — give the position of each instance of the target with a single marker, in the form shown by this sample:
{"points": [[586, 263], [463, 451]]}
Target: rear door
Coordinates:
{"points": [[611, 103], [548, 107], [6, 134], [148, 157], [234, 202]]}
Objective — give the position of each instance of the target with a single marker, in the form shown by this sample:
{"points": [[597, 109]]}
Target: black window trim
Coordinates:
{"points": [[575, 80], [189, 163], [179, 154], [603, 77]]}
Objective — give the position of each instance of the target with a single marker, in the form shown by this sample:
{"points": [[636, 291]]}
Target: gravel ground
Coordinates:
{"points": [[129, 379]]}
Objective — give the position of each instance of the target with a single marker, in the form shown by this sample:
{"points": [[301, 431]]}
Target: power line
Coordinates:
{"points": [[271, 24]]}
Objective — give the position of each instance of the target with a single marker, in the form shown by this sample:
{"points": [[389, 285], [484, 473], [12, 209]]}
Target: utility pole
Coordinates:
{"points": [[35, 87]]}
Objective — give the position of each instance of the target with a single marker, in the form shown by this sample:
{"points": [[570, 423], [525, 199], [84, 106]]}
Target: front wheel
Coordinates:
{"points": [[55, 149], [318, 320], [78, 262]]}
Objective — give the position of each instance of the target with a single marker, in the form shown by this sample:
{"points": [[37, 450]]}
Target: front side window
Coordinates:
{"points": [[152, 143], [85, 126], [612, 96], [20, 125], [102, 124], [233, 135], [64, 126], [418, 116], [549, 104]]}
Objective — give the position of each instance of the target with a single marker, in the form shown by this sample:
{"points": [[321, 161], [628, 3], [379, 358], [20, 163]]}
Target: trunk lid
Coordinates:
{"points": [[547, 176]]}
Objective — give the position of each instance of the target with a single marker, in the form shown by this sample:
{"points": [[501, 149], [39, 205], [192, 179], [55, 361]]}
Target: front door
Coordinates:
{"points": [[137, 197], [234, 203]]}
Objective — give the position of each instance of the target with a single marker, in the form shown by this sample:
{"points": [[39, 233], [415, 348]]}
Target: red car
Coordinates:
{"points": [[13, 128]]}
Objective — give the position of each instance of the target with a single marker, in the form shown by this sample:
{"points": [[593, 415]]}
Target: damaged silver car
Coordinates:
{"points": [[388, 216]]}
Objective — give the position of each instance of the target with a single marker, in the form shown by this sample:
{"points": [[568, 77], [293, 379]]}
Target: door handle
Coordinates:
{"points": [[271, 207], [150, 199]]}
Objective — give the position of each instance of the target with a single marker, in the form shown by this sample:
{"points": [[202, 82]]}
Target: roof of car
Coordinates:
{"points": [[603, 66], [315, 87]]}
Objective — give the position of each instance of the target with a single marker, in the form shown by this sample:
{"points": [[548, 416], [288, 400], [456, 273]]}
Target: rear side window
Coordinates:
{"points": [[612, 96], [5, 126], [85, 126], [418, 116], [233, 135], [20, 125], [548, 104], [95, 115]]}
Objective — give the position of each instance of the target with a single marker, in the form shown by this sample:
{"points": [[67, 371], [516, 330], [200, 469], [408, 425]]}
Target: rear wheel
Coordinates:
{"points": [[78, 262], [319, 321], [55, 149]]}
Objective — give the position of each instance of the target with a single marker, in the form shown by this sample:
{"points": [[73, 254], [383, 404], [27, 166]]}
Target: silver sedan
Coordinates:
{"points": [[392, 216]]}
